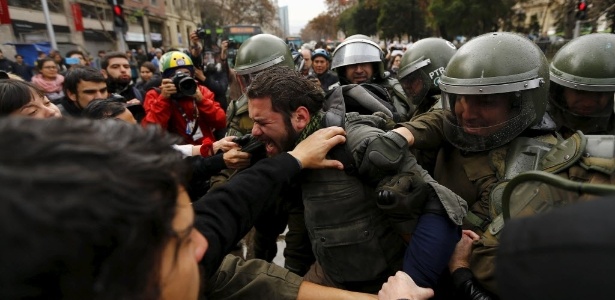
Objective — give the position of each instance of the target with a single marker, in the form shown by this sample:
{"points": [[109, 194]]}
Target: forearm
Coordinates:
{"points": [[426, 131], [227, 213]]}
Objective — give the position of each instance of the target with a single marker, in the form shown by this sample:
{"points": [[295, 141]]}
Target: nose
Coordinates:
{"points": [[200, 245], [256, 130], [467, 108], [51, 111]]}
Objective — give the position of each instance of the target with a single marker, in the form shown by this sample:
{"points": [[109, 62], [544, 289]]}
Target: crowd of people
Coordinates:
{"points": [[395, 176]]}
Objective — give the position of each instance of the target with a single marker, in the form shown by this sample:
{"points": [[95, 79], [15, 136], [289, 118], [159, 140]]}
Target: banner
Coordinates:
{"points": [[78, 19], [5, 17]]}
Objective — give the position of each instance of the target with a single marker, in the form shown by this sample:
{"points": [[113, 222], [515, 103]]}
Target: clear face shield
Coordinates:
{"points": [[586, 108], [356, 52], [480, 118], [245, 76], [414, 81]]}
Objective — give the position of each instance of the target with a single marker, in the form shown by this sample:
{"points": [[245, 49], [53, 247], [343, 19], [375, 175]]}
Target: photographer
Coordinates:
{"points": [[182, 106], [209, 69]]}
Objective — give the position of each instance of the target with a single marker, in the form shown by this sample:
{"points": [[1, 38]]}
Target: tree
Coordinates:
{"points": [[401, 17], [470, 18], [322, 27]]}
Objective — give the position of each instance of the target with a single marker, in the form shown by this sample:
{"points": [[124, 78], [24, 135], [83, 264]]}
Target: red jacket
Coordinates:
{"points": [[166, 113]]}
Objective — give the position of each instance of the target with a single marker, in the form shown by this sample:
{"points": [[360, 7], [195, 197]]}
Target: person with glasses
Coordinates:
{"points": [[49, 79]]}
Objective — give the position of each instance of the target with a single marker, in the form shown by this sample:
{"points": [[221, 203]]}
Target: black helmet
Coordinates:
{"points": [[493, 88], [583, 83]]}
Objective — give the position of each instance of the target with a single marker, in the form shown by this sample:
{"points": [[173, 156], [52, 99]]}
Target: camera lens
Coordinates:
{"points": [[187, 86]]}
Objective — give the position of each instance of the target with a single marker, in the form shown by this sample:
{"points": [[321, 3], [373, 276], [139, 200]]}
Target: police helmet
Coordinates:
{"points": [[259, 53], [493, 88], [422, 65], [358, 49], [583, 83]]}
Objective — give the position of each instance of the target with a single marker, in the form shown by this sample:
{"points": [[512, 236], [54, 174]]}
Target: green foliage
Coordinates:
{"points": [[399, 17], [470, 18], [361, 18]]}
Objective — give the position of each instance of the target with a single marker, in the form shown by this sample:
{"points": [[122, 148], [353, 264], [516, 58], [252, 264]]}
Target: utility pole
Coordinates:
{"points": [[50, 32]]}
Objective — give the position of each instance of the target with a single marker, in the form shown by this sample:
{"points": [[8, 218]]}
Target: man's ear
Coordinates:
{"points": [[300, 118], [104, 72], [72, 96]]}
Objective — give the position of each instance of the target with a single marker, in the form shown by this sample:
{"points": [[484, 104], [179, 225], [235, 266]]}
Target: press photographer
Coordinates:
{"points": [[182, 106], [209, 67]]}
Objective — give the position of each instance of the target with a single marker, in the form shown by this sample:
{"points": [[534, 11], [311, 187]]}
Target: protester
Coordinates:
{"points": [[20, 98], [48, 79], [128, 231]]}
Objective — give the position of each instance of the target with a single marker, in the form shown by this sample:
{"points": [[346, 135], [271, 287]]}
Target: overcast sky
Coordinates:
{"points": [[300, 12]]}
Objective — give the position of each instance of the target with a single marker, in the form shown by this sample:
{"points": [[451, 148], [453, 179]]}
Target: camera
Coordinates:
{"points": [[185, 85], [201, 33], [232, 44]]}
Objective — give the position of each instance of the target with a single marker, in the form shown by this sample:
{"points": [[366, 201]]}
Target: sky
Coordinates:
{"points": [[300, 12]]}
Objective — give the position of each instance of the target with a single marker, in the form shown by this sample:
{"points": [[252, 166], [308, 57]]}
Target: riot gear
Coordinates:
{"points": [[583, 83], [422, 65], [358, 49], [493, 88], [258, 53]]}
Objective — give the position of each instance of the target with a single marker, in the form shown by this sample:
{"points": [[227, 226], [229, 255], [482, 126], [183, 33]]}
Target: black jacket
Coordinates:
{"points": [[226, 214]]}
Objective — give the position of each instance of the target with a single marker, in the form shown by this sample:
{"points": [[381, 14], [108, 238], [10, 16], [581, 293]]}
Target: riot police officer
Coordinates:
{"points": [[420, 70], [583, 85], [360, 60]]}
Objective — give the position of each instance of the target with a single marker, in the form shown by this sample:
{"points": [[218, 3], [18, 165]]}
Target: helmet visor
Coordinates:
{"points": [[588, 111], [355, 53], [415, 86], [483, 122], [245, 80]]}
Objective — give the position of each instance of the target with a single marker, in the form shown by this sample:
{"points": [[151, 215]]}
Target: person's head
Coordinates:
{"points": [[84, 84], [20, 98], [357, 60], [147, 70], [158, 52], [281, 103], [18, 59], [321, 61], [493, 88], [583, 83], [176, 61], [116, 68], [259, 53], [307, 58], [101, 109], [57, 57], [95, 209], [41, 54], [421, 67], [101, 53], [78, 55], [395, 61], [47, 67]]}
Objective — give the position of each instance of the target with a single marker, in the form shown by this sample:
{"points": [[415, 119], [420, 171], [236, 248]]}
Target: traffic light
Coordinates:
{"points": [[582, 10], [118, 16]]}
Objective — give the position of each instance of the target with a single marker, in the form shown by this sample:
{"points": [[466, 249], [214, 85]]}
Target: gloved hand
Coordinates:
{"points": [[403, 197]]}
